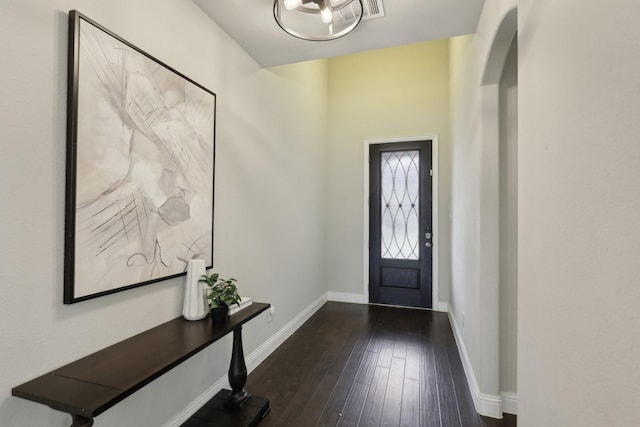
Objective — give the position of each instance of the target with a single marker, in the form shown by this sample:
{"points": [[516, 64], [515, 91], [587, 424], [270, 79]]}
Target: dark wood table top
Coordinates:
{"points": [[93, 384]]}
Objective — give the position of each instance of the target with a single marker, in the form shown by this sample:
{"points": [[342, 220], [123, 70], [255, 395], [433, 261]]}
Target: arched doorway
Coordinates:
{"points": [[496, 234]]}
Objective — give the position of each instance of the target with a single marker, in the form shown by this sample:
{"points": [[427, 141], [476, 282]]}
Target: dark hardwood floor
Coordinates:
{"points": [[367, 365]]}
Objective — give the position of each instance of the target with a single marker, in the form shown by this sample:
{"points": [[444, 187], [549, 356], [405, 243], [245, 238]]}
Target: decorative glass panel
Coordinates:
{"points": [[400, 190]]}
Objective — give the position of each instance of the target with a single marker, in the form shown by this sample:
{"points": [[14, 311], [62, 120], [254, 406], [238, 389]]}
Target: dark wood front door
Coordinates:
{"points": [[400, 224]]}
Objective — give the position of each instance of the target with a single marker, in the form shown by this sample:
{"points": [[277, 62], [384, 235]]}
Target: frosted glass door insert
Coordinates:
{"points": [[400, 201]]}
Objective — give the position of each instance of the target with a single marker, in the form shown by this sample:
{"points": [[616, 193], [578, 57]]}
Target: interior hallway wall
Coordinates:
{"points": [[270, 198], [508, 104], [579, 213], [474, 298], [388, 93]]}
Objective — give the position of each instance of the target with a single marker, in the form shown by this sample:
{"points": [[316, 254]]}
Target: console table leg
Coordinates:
{"points": [[237, 374], [79, 421]]}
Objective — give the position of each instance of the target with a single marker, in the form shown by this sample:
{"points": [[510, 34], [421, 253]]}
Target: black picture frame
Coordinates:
{"points": [[139, 167]]}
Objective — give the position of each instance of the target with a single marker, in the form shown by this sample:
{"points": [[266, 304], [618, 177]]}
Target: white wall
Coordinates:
{"points": [[464, 203], [579, 213], [508, 159], [388, 93], [269, 199], [476, 66]]}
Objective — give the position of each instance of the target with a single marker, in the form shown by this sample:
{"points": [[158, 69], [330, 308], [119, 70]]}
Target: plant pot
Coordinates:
{"points": [[219, 314]]}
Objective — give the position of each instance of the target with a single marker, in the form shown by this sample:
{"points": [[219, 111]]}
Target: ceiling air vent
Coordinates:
{"points": [[372, 9]]}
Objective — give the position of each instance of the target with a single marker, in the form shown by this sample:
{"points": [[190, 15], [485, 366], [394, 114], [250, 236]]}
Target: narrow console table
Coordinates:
{"points": [[91, 385]]}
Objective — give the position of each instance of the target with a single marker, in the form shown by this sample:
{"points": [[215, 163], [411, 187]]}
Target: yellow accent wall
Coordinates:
{"points": [[388, 93]]}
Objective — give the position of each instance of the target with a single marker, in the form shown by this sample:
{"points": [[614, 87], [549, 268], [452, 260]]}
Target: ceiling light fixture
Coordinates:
{"points": [[317, 20]]}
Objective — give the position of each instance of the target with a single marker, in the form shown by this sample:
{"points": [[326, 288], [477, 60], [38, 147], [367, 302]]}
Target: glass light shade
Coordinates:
{"points": [[318, 20]]}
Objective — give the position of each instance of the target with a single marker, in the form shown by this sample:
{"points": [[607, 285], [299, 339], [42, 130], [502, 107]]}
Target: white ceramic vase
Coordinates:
{"points": [[195, 305]]}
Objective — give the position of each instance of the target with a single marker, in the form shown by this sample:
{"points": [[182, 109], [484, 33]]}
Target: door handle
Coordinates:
{"points": [[428, 244]]}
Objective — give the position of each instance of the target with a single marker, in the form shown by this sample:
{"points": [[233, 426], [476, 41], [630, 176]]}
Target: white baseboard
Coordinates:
{"points": [[486, 404], [347, 297], [252, 361], [489, 405], [443, 307], [510, 403]]}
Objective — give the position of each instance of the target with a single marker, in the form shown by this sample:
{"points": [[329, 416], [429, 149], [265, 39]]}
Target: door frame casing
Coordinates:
{"points": [[435, 303]]}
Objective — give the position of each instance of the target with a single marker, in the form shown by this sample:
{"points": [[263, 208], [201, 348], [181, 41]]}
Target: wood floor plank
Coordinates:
{"points": [[410, 411], [386, 353], [377, 337], [339, 369], [303, 386], [327, 342], [313, 408], [331, 412], [429, 406], [429, 418], [400, 345], [468, 416], [508, 420], [449, 415], [412, 366], [443, 369], [393, 396], [367, 368], [288, 397], [455, 363], [350, 415], [466, 409], [372, 410]]}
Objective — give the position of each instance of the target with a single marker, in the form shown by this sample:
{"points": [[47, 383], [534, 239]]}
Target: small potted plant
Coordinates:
{"points": [[221, 294]]}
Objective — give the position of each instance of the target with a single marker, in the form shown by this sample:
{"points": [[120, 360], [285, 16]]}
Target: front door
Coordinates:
{"points": [[400, 221]]}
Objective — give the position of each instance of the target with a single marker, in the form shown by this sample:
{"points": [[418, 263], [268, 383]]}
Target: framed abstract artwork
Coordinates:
{"points": [[140, 166]]}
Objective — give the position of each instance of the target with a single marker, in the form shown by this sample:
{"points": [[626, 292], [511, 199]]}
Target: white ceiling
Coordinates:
{"points": [[252, 25]]}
